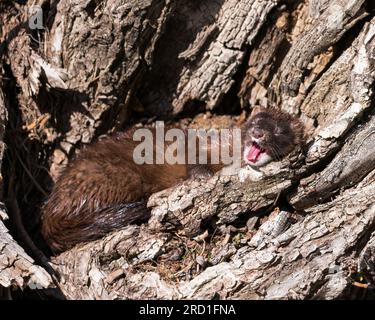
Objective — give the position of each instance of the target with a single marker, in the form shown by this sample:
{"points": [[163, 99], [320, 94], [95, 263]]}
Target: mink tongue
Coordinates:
{"points": [[254, 152]]}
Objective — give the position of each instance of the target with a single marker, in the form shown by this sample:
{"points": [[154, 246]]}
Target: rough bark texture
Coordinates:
{"points": [[303, 228], [17, 268]]}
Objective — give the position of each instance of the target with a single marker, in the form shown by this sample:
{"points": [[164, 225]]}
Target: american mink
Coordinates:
{"points": [[103, 189]]}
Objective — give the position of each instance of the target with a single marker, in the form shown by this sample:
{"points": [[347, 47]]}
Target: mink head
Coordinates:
{"points": [[270, 135]]}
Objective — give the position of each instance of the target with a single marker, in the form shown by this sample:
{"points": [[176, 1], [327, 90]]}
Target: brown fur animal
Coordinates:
{"points": [[103, 189]]}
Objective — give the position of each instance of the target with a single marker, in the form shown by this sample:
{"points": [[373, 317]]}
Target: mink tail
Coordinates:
{"points": [[63, 235]]}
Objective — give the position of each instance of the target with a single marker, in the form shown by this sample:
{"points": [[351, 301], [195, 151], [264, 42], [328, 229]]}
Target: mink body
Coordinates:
{"points": [[103, 189]]}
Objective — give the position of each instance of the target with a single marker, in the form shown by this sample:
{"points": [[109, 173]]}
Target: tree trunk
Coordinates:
{"points": [[305, 229]]}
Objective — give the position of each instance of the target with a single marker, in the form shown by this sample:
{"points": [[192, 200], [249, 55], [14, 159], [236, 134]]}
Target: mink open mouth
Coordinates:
{"points": [[255, 150]]}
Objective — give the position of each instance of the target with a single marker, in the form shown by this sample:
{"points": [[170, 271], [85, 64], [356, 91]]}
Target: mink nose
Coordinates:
{"points": [[257, 133]]}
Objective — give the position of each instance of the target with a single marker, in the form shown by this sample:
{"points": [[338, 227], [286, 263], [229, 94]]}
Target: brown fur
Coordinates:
{"points": [[103, 189]]}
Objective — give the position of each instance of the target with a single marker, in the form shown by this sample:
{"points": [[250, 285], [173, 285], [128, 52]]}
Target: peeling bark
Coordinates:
{"points": [[17, 268]]}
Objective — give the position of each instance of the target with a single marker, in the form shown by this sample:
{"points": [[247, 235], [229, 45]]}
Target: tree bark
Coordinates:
{"points": [[303, 229]]}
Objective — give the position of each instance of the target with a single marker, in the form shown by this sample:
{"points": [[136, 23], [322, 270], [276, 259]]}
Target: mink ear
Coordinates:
{"points": [[256, 110]]}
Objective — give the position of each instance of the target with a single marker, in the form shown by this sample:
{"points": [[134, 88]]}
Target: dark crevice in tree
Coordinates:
{"points": [[90, 8], [24, 170], [160, 82], [191, 109], [370, 7]]}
